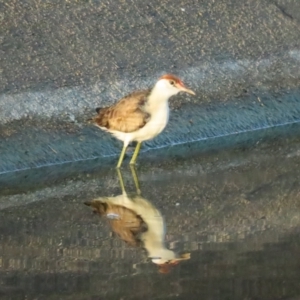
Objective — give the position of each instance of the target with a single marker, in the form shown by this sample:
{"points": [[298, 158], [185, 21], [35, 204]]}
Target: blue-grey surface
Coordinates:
{"points": [[59, 60], [42, 145]]}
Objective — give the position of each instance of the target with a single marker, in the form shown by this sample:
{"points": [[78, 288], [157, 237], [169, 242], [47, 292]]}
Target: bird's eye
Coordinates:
{"points": [[172, 82]]}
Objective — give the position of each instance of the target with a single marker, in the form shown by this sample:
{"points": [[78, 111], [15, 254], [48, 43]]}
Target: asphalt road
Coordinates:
{"points": [[106, 49]]}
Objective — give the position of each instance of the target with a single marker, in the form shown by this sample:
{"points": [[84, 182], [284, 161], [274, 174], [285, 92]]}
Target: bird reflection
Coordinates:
{"points": [[139, 223]]}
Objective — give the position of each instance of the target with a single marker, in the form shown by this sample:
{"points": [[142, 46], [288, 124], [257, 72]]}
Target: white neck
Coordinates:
{"points": [[160, 94], [154, 243], [154, 238]]}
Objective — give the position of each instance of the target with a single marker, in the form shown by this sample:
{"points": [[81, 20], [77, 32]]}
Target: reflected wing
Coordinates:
{"points": [[128, 225], [123, 221]]}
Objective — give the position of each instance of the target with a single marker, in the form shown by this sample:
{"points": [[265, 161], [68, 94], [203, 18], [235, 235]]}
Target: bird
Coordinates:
{"points": [[141, 115], [139, 223]]}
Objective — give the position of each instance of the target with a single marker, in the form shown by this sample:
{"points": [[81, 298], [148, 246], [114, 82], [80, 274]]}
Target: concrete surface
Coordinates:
{"points": [[61, 59]]}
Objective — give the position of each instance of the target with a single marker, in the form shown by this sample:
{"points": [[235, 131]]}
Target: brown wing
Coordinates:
{"points": [[127, 115]]}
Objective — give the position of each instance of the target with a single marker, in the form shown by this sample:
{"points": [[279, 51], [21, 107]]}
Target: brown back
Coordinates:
{"points": [[128, 115]]}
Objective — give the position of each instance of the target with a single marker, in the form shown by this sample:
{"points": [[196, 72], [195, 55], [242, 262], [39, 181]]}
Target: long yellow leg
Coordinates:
{"points": [[135, 179], [121, 156], [135, 154]]}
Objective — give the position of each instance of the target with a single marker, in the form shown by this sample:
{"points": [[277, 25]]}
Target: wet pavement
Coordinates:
{"points": [[218, 225]]}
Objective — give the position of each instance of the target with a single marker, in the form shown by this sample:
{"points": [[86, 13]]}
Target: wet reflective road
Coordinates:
{"points": [[212, 226]]}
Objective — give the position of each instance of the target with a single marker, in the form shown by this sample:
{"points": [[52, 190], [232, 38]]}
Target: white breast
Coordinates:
{"points": [[155, 126]]}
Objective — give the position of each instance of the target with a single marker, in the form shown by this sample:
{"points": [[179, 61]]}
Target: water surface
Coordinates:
{"points": [[221, 225]]}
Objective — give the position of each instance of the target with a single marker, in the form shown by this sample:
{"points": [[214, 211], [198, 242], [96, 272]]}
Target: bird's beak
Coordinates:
{"points": [[185, 89]]}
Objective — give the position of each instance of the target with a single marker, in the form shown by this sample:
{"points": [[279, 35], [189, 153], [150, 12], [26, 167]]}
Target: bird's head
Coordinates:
{"points": [[165, 264], [172, 85]]}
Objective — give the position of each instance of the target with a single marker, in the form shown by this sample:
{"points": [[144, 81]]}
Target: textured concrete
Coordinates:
{"points": [[78, 54], [61, 59]]}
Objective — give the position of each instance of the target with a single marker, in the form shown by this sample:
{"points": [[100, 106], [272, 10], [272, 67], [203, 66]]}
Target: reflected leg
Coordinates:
{"points": [[135, 178], [121, 181]]}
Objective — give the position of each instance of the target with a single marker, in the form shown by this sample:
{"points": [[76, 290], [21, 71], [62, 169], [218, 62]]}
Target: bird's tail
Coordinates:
{"points": [[92, 120], [97, 206]]}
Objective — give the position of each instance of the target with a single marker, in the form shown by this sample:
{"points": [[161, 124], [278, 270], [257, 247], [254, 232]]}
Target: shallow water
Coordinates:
{"points": [[223, 225]]}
